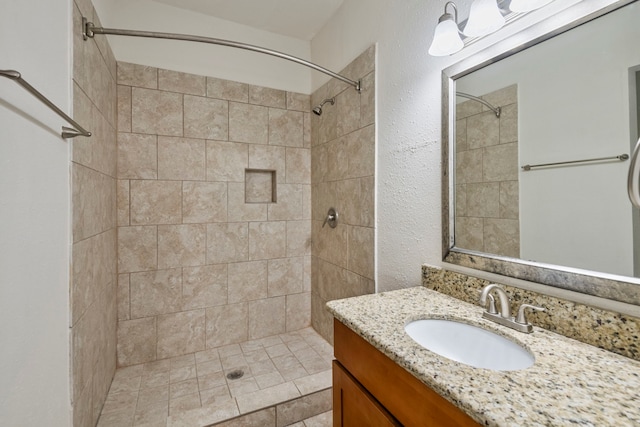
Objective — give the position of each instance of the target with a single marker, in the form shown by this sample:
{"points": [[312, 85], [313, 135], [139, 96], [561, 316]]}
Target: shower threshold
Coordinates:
{"points": [[274, 381]]}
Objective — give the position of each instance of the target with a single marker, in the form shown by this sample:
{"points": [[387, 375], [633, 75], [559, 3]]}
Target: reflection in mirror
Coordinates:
{"points": [[572, 97]]}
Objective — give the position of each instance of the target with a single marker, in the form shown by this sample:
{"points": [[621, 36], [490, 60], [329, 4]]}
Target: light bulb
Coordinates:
{"points": [[519, 6], [484, 18], [446, 38]]}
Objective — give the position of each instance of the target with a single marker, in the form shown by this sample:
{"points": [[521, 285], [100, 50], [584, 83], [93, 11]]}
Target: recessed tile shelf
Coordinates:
{"points": [[260, 186]]}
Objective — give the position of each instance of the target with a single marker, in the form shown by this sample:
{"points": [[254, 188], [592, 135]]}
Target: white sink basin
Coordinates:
{"points": [[469, 344]]}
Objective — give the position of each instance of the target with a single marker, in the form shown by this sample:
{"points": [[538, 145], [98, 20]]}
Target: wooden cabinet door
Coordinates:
{"points": [[353, 406]]}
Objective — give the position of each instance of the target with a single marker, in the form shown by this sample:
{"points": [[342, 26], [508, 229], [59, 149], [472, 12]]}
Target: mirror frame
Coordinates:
{"points": [[614, 287]]}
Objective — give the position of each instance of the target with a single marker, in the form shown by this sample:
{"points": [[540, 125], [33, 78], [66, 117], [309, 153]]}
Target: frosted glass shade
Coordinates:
{"points": [[446, 39], [527, 5], [484, 18]]}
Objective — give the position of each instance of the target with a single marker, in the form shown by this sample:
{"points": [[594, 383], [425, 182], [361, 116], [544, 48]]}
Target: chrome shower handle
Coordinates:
{"points": [[331, 219], [633, 179]]}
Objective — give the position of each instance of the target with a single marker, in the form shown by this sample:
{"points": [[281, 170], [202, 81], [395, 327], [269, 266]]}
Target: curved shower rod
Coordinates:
{"points": [[89, 30], [496, 110]]}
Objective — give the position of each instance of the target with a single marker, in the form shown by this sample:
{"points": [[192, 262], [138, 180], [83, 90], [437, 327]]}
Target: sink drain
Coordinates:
{"points": [[234, 375]]}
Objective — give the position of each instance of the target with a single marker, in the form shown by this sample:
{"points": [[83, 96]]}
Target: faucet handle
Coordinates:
{"points": [[492, 305], [520, 318]]}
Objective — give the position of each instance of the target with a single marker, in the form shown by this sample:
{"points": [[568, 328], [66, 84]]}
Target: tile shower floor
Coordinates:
{"points": [[202, 389]]}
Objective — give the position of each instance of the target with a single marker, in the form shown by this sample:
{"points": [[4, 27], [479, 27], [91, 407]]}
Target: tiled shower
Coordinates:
{"points": [[198, 239]]}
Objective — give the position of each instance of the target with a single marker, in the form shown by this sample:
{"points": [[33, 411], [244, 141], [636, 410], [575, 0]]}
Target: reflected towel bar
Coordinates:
{"points": [[621, 157], [67, 132]]}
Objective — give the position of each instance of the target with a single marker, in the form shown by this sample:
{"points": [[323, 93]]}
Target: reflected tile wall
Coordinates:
{"points": [[343, 177], [93, 284], [487, 196], [198, 266]]}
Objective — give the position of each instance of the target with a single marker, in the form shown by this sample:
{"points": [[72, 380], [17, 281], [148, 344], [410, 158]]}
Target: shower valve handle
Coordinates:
{"points": [[331, 219]]}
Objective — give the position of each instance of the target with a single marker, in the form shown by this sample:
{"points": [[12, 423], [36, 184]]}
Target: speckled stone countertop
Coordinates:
{"points": [[570, 383]]}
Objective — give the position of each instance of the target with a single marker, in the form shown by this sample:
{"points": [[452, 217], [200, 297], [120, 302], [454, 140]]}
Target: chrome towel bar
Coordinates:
{"points": [[621, 157], [67, 132]]}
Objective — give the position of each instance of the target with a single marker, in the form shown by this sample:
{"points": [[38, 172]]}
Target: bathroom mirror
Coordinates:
{"points": [[567, 99]]}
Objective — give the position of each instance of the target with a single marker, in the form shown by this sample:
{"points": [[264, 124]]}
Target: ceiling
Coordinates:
{"points": [[300, 19]]}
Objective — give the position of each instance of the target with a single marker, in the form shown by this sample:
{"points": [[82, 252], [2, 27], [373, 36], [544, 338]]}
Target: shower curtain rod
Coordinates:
{"points": [[496, 110], [89, 30]]}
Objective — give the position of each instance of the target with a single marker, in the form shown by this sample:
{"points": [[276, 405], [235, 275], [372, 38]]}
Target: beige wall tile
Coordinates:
{"points": [[181, 158], [226, 161], [268, 97], [204, 286], [123, 297], [181, 333], [124, 108], [298, 101], [328, 124], [266, 317], [502, 236], [137, 249], [509, 200], [467, 108], [94, 269], [319, 163], [267, 240], [286, 128], [361, 244], [239, 210], [307, 273], [268, 157], [509, 124], [298, 165], [306, 201], [206, 118], [155, 292], [461, 200], [259, 186], [360, 152], [227, 242], [500, 163], [368, 100], [337, 160], [356, 197], [285, 276], [156, 202], [225, 89], [461, 135], [348, 111], [94, 207], [204, 202], [307, 130], [321, 319], [298, 238], [483, 130], [330, 243], [137, 156], [288, 205], [469, 234], [174, 81], [156, 112], [136, 341], [248, 123], [247, 281], [469, 166], [122, 195], [298, 312], [137, 75], [502, 97], [182, 245], [483, 199], [227, 324]]}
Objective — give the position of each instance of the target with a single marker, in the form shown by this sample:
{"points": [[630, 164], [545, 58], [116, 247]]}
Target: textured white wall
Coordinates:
{"points": [[408, 119], [196, 58], [34, 213]]}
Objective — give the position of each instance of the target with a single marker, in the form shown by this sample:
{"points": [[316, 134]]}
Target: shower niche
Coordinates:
{"points": [[260, 186]]}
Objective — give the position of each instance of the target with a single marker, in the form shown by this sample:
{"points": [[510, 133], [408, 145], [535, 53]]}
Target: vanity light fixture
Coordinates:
{"points": [[520, 6], [446, 39], [485, 17]]}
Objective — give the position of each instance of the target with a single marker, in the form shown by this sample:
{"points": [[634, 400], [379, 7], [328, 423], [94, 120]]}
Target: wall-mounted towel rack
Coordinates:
{"points": [[621, 157], [67, 132]]}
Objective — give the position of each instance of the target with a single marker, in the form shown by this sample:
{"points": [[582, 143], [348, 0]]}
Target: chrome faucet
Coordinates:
{"points": [[504, 317]]}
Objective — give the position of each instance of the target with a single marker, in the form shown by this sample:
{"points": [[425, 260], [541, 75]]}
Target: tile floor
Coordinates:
{"points": [[196, 390]]}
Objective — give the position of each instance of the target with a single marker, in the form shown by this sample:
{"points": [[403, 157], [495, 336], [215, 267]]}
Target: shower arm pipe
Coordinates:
{"points": [[89, 30], [496, 110]]}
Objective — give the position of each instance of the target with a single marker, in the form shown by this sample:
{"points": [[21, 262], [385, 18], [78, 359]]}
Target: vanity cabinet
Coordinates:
{"points": [[369, 389]]}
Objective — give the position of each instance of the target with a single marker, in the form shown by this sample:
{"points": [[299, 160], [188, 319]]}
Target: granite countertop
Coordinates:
{"points": [[570, 383]]}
